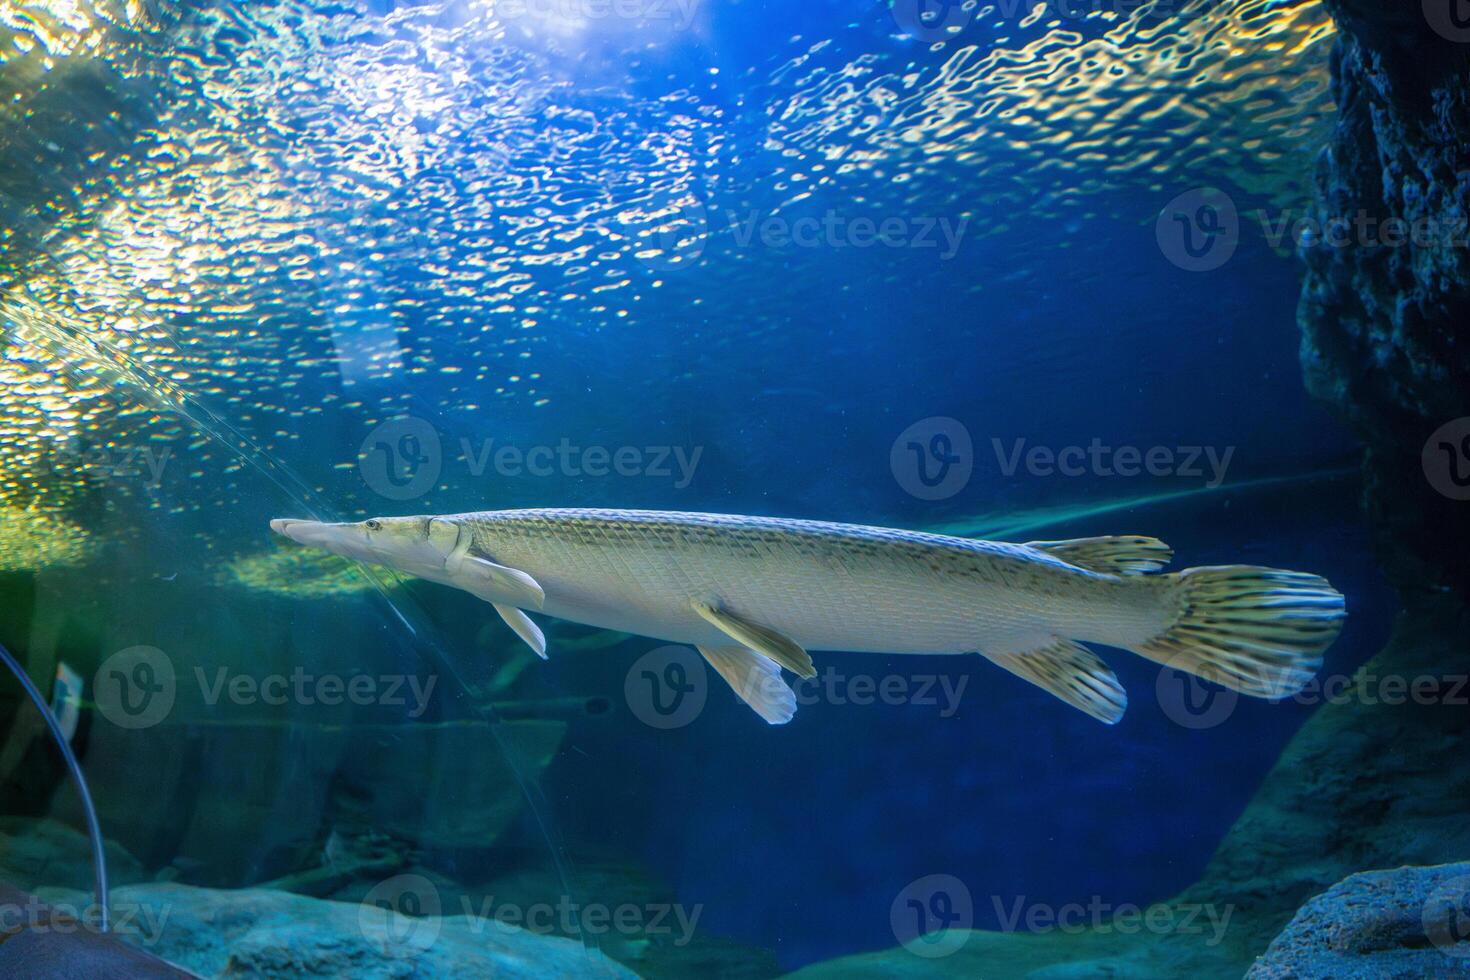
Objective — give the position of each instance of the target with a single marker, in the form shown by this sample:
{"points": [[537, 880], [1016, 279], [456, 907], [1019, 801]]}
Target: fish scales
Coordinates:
{"points": [[827, 586]]}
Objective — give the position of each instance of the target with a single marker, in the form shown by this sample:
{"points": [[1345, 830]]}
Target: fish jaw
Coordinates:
{"points": [[405, 544], [347, 540]]}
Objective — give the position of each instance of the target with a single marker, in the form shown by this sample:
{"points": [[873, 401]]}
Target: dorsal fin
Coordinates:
{"points": [[1124, 554]]}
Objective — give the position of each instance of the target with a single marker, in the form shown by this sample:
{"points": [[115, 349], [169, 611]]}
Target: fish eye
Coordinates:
{"points": [[374, 525]]}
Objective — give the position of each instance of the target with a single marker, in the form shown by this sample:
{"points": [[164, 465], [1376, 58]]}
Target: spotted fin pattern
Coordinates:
{"points": [[1130, 554], [1071, 672]]}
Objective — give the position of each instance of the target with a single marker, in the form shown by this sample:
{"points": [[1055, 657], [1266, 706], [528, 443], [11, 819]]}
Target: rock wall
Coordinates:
{"points": [[1400, 923], [1385, 307]]}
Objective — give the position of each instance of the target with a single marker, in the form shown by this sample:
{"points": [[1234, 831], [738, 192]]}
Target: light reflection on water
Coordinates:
{"points": [[278, 205]]}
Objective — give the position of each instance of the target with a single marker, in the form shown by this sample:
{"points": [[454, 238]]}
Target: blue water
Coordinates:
{"points": [[836, 813], [433, 230]]}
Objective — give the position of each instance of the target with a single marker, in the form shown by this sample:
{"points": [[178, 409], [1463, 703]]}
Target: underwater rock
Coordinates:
{"points": [[270, 934], [665, 952], [1383, 306], [205, 784], [1377, 925], [39, 940], [449, 788], [35, 852], [1050, 956]]}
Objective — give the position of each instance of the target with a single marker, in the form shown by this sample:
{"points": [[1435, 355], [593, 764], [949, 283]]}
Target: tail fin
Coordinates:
{"points": [[1259, 631]]}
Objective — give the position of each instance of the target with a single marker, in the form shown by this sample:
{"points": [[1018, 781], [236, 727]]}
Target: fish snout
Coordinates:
{"points": [[300, 531], [284, 525]]}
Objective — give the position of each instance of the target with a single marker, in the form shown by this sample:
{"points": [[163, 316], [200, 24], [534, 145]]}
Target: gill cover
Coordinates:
{"points": [[479, 576]]}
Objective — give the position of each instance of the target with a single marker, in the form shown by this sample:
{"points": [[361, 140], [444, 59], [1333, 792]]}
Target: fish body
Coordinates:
{"points": [[826, 586], [756, 594]]}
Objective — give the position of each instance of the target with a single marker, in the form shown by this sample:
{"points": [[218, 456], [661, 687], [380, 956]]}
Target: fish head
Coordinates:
{"points": [[414, 545]]}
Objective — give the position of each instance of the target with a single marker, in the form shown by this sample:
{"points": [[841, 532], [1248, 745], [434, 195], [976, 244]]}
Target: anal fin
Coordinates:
{"points": [[1125, 554], [756, 680], [524, 628], [1071, 672], [762, 639]]}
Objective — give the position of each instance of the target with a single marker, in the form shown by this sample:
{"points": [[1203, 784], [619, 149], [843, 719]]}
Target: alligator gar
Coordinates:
{"points": [[755, 594]]}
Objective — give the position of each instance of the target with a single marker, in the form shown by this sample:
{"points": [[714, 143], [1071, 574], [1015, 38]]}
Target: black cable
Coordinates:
{"points": [[94, 828]]}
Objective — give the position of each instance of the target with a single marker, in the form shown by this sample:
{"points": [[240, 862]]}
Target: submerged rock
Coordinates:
{"points": [[1378, 925], [1053, 956], [1387, 290], [37, 852], [268, 934]]}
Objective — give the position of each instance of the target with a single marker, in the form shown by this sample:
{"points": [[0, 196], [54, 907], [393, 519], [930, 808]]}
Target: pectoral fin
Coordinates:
{"points": [[498, 584], [756, 680], [762, 639], [525, 629], [1071, 672]]}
